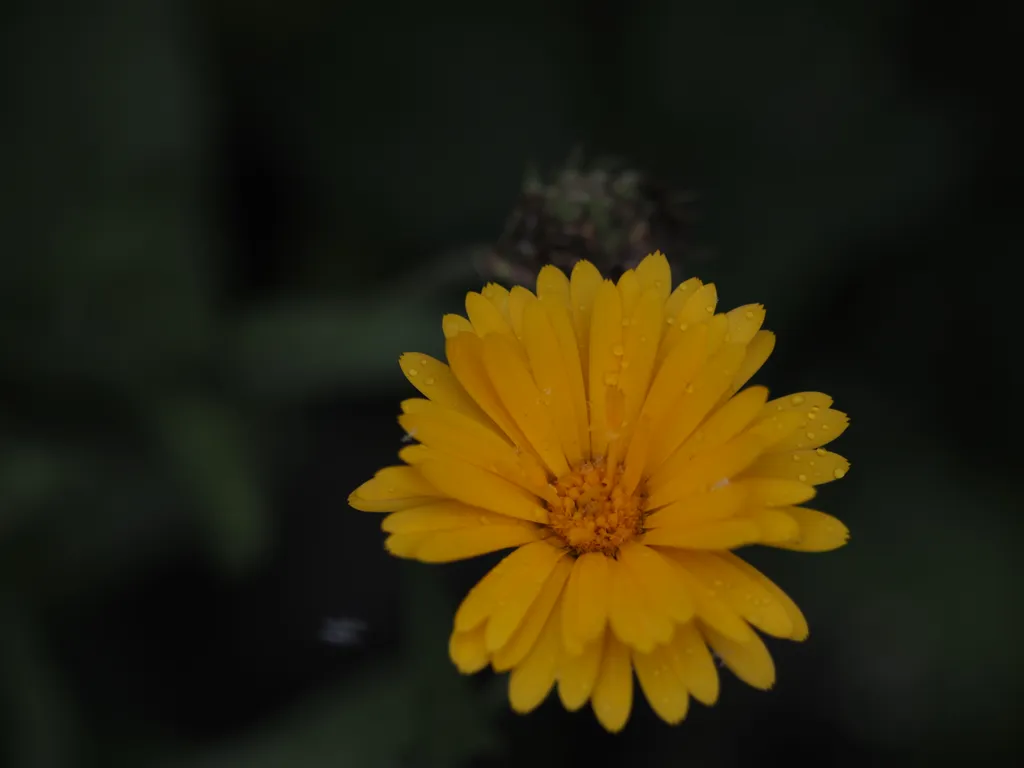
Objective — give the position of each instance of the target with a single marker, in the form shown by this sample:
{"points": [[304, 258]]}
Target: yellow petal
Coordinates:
{"points": [[745, 322], [415, 454], [452, 434], [612, 698], [561, 324], [796, 616], [436, 381], [814, 467], [460, 544], [759, 350], [444, 515], [524, 638], [577, 674], [518, 591], [654, 273], [583, 286], [801, 402], [718, 534], [553, 285], [821, 427], [629, 290], [393, 488], [663, 589], [476, 606], [775, 525], [749, 661], [640, 341], [453, 325], [710, 607], [693, 663], [665, 690], [818, 532], [498, 295], [485, 316], [718, 333], [519, 298], [552, 377], [679, 480], [745, 595], [530, 682], [479, 488], [676, 372], [518, 392], [467, 651], [721, 426], [636, 455], [585, 603], [677, 300], [700, 508], [771, 492], [465, 355], [605, 339], [697, 400], [632, 618]]}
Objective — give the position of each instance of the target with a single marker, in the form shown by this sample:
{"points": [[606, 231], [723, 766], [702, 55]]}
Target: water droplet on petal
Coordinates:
{"points": [[839, 474], [796, 399], [796, 457], [429, 380], [709, 309], [689, 389], [413, 372], [821, 451], [810, 435], [618, 350], [670, 320], [749, 315], [611, 379], [802, 478], [683, 326], [812, 415]]}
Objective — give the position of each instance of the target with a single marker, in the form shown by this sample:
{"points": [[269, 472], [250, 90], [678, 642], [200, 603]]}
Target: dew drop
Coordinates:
{"points": [[611, 379], [429, 381], [709, 309], [689, 389], [718, 583], [618, 350], [812, 415], [796, 457], [749, 315], [839, 474], [796, 399], [802, 478], [424, 362], [670, 320], [821, 451], [413, 372], [810, 435]]}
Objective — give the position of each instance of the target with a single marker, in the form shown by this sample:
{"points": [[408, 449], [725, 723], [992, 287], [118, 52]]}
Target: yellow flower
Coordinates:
{"points": [[600, 430]]}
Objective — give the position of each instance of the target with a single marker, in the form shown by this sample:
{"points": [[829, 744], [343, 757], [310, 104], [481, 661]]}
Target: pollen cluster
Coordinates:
{"points": [[593, 512]]}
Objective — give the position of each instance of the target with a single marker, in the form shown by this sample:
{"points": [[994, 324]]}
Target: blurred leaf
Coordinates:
{"points": [[208, 451], [37, 727], [298, 349], [414, 711]]}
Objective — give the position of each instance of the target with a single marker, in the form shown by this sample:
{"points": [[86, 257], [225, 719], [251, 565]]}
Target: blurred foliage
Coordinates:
{"points": [[223, 222]]}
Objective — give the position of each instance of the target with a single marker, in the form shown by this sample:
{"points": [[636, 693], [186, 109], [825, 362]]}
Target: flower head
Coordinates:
{"points": [[603, 431]]}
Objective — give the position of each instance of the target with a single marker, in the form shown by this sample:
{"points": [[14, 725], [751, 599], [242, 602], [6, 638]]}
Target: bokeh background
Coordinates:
{"points": [[221, 223]]}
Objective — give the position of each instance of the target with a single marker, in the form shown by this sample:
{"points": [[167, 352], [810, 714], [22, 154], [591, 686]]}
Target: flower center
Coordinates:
{"points": [[592, 512]]}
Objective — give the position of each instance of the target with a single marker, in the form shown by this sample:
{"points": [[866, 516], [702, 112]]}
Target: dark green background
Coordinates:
{"points": [[221, 222]]}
